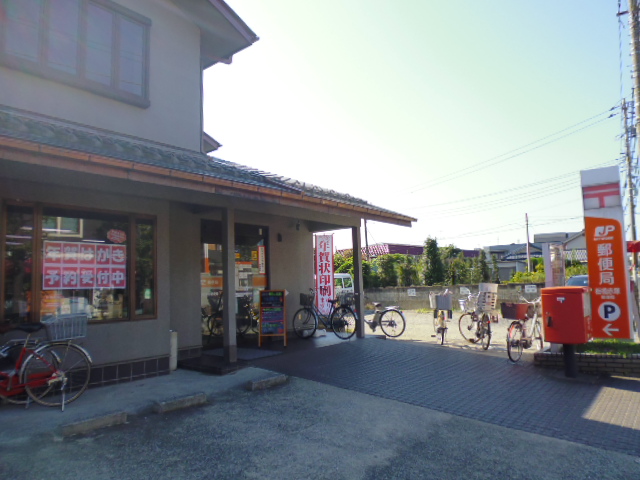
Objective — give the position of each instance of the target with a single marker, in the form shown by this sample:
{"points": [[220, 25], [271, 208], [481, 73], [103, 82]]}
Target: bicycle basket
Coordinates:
{"points": [[66, 327], [516, 311], [443, 302], [346, 299], [432, 299], [487, 301], [306, 299]]}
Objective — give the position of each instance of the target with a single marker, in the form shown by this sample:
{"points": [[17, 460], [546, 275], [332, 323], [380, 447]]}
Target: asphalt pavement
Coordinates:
{"points": [[372, 408]]}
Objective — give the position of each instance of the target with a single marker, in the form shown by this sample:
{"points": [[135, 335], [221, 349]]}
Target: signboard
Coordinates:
{"points": [[606, 254], [554, 267], [79, 265], [324, 272], [530, 289], [411, 292], [273, 319]]}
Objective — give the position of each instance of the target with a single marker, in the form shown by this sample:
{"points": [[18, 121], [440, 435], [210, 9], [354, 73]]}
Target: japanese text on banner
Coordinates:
{"points": [[324, 272]]}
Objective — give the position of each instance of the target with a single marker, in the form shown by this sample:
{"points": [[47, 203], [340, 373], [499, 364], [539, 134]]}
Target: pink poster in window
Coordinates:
{"points": [[324, 272], [69, 277], [87, 255], [87, 277], [70, 253], [52, 277], [52, 253], [76, 265]]}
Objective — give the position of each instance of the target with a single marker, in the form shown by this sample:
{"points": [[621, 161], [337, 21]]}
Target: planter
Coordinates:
{"points": [[599, 364]]}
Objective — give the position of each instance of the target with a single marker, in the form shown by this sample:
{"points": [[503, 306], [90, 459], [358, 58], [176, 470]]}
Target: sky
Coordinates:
{"points": [[468, 116]]}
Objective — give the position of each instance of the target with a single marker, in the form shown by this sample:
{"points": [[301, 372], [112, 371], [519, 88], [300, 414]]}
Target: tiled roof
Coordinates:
{"points": [[22, 125]]}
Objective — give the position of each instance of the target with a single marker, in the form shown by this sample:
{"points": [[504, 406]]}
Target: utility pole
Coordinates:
{"points": [[635, 57], [526, 218], [630, 180]]}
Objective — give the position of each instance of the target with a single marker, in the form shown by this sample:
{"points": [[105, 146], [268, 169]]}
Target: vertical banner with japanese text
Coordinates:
{"points": [[606, 253], [324, 272]]}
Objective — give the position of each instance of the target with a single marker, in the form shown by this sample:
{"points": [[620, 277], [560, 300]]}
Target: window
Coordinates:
{"points": [[250, 265], [96, 45], [61, 260]]}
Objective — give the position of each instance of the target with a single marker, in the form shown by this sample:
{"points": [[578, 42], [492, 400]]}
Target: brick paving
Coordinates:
{"points": [[484, 386]]}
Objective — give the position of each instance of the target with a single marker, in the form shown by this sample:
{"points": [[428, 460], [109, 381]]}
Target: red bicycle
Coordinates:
{"points": [[51, 373]]}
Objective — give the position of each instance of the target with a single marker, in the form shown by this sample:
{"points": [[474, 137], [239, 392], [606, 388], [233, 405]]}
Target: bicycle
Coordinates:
{"points": [[215, 321], [390, 320], [341, 319], [51, 373], [475, 325], [518, 338], [249, 318], [442, 313]]}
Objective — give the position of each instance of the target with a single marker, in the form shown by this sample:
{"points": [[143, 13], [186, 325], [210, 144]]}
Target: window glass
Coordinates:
{"points": [[18, 265], [131, 57], [21, 35], [84, 264], [99, 44], [250, 262], [145, 259], [62, 53]]}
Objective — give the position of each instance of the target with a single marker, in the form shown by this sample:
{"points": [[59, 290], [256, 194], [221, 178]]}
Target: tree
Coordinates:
{"points": [[483, 266], [407, 271], [387, 272], [495, 270], [459, 270], [449, 255], [340, 259], [433, 272]]}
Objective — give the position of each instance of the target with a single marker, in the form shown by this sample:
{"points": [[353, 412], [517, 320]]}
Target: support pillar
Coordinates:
{"points": [[229, 303], [358, 290]]}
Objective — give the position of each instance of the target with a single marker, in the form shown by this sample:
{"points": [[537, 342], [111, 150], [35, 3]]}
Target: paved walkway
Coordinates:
{"points": [[471, 383]]}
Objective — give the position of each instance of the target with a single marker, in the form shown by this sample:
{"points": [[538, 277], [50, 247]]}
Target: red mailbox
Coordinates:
{"points": [[566, 315]]}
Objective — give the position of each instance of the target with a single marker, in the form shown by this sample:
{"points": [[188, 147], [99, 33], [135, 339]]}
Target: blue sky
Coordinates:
{"points": [[465, 115]]}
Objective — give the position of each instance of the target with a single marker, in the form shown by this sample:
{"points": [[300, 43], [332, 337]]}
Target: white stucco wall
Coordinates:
{"points": [[174, 86]]}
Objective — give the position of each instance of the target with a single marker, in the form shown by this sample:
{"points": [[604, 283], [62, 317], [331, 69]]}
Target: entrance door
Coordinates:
{"points": [[251, 267]]}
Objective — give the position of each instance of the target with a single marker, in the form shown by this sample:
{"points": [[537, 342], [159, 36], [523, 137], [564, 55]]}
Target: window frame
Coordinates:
{"points": [[37, 259], [79, 80]]}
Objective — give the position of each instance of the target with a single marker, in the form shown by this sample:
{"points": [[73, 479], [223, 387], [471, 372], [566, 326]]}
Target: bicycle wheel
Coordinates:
{"points": [[214, 324], [440, 335], [10, 355], [243, 323], [56, 374], [305, 323], [538, 341], [392, 323], [468, 326], [255, 321], [485, 334], [344, 322], [514, 341], [435, 321]]}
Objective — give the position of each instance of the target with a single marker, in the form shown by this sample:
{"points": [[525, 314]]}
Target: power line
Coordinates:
{"points": [[498, 159]]}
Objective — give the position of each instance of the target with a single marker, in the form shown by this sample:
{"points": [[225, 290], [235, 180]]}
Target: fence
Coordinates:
{"points": [[414, 298]]}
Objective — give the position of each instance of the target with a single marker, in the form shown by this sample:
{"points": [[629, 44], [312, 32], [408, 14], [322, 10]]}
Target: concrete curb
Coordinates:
{"points": [[267, 382], [178, 403], [86, 426]]}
